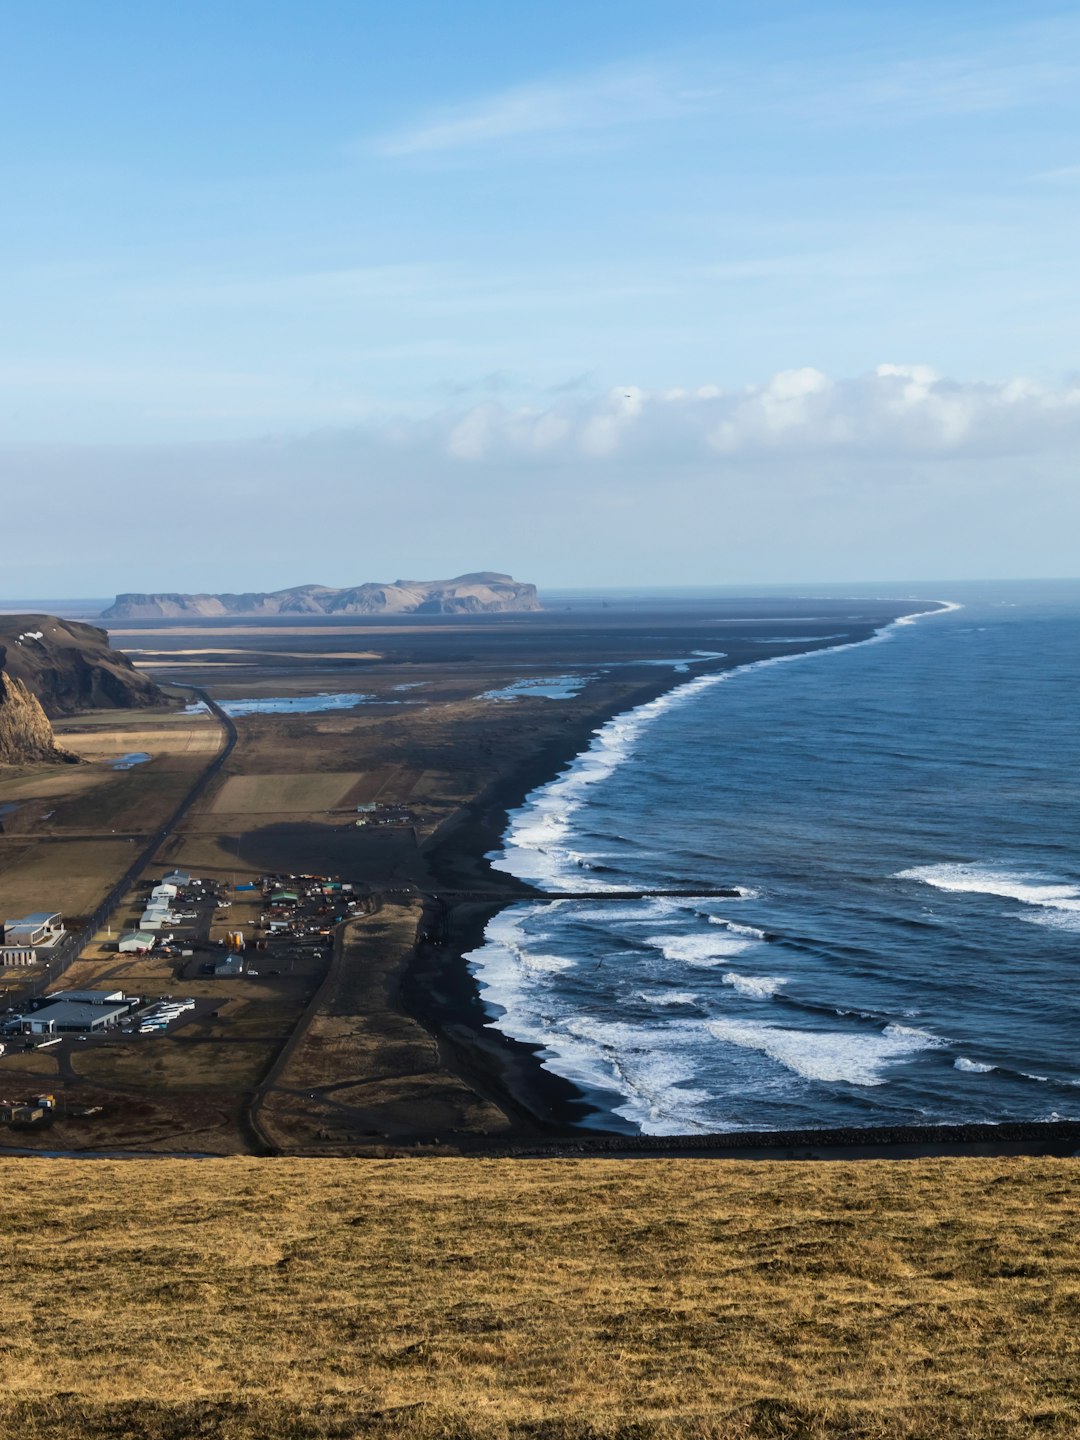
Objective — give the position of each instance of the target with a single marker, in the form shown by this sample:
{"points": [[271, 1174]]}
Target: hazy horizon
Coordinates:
{"points": [[929, 589]]}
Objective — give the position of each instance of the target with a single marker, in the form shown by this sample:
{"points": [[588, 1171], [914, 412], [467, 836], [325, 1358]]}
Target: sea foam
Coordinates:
{"points": [[667, 997], [756, 987], [534, 846], [751, 931], [1053, 901], [834, 1056], [705, 950], [654, 1065]]}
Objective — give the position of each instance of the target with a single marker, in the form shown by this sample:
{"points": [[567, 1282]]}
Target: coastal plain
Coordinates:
{"points": [[442, 725]]}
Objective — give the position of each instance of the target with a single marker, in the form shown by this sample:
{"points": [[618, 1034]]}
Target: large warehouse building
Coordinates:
{"points": [[72, 1017], [75, 1012]]}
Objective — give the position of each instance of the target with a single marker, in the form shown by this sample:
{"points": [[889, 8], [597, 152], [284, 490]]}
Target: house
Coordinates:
{"points": [[225, 965], [132, 942]]}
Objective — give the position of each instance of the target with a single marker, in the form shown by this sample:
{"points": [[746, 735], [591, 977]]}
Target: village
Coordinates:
{"points": [[190, 932]]}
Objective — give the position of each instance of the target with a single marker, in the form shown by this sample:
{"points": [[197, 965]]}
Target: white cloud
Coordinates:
{"points": [[898, 472], [894, 412]]}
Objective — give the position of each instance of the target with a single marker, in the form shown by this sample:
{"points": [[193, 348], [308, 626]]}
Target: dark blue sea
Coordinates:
{"points": [[902, 820]]}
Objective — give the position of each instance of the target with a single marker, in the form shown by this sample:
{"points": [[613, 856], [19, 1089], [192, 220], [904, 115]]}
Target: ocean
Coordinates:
{"points": [[902, 821]]}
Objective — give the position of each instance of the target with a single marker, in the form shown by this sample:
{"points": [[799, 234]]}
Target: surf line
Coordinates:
{"points": [[540, 825]]}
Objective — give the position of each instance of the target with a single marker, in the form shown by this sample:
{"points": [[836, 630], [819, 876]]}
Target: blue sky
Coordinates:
{"points": [[803, 271]]}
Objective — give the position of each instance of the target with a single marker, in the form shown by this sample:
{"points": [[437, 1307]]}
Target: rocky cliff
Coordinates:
{"points": [[69, 666], [486, 592], [25, 733]]}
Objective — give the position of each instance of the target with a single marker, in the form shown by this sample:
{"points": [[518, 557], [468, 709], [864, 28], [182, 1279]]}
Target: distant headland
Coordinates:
{"points": [[485, 592]]}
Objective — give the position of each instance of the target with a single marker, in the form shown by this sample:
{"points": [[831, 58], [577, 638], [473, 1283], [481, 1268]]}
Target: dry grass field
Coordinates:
{"points": [[68, 840], [281, 794], [188, 1063], [363, 1071], [569, 1300], [71, 876]]}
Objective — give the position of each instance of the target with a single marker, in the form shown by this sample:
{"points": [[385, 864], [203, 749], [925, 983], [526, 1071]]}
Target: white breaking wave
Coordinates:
{"points": [[667, 997], [833, 1056], [651, 1065], [1054, 902], [534, 847], [923, 1038], [975, 1067], [550, 963], [506, 959], [751, 931], [704, 950], [757, 987], [946, 606], [1055, 916], [643, 912]]}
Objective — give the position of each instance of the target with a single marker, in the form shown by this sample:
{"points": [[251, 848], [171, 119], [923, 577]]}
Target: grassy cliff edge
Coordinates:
{"points": [[650, 1298]]}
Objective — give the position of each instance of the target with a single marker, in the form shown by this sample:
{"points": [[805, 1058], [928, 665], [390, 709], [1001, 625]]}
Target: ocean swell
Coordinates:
{"points": [[1050, 900]]}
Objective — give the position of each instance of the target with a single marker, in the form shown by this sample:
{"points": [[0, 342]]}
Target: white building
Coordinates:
{"points": [[25, 939], [17, 955], [89, 997], [132, 941], [41, 929]]}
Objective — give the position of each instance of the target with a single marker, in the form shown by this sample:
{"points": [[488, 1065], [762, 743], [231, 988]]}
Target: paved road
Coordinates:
{"points": [[78, 939]]}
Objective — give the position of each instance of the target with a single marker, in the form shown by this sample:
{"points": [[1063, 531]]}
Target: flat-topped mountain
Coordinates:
{"points": [[486, 592], [68, 666]]}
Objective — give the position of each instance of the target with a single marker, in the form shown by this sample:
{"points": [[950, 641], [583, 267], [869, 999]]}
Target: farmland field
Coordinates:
{"points": [[279, 794]]}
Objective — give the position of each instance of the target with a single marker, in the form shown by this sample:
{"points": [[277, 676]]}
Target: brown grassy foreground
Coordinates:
{"points": [[649, 1298]]}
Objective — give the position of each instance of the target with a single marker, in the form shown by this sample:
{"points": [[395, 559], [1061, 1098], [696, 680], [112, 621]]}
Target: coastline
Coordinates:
{"points": [[440, 990]]}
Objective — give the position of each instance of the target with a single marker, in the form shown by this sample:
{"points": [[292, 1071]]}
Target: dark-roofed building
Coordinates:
{"points": [[73, 1017]]}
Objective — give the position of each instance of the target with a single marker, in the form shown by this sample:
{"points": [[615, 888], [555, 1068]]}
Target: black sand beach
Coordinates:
{"points": [[439, 989]]}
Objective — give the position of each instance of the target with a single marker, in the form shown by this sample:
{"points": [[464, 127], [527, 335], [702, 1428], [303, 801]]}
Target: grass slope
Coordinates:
{"points": [[556, 1299]]}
